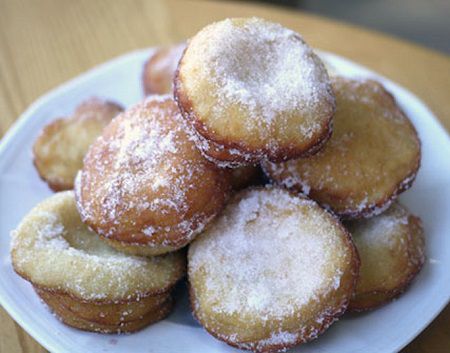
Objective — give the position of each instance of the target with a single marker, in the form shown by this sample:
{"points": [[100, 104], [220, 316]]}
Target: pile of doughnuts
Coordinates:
{"points": [[273, 260]]}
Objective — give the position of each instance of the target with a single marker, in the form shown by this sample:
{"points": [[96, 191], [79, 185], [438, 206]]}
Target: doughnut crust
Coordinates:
{"points": [[392, 251], [105, 313], [59, 149], [373, 155], [144, 186], [159, 69], [72, 270], [110, 318], [254, 90], [274, 270]]}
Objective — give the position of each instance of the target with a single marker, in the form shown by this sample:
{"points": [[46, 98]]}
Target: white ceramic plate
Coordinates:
{"points": [[387, 329]]}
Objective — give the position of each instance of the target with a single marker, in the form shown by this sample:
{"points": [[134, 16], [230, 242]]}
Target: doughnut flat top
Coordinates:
{"points": [[255, 86], [372, 156], [273, 270], [54, 250]]}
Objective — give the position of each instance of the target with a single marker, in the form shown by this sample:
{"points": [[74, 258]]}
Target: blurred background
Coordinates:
{"points": [[426, 22]]}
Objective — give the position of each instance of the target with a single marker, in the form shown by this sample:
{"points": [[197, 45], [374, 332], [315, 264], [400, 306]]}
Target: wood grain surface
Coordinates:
{"points": [[44, 43]]}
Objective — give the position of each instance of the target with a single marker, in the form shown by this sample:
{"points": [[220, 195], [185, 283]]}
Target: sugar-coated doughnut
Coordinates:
{"points": [[159, 69], [373, 155], [60, 147], [158, 74], [106, 318], [391, 247], [145, 187], [82, 279], [103, 312], [274, 270], [254, 90]]}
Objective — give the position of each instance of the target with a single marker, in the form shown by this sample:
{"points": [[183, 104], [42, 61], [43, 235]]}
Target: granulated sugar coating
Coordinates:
{"points": [[54, 250], [255, 86], [392, 250], [380, 230], [372, 156], [144, 184], [273, 270]]}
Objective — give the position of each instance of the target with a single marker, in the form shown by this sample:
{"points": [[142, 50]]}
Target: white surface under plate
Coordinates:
{"points": [[384, 330]]}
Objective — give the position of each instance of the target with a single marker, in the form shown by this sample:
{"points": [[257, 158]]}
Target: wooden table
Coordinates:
{"points": [[44, 43]]}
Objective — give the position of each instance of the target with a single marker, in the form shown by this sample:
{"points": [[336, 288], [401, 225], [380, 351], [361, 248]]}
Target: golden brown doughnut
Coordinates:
{"points": [[74, 271], [392, 251], [373, 155], [159, 69], [144, 186], [125, 325], [273, 271], [59, 149], [254, 90], [104, 312]]}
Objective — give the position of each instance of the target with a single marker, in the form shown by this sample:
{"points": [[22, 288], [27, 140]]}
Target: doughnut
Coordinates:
{"points": [[96, 108], [85, 282], [372, 157], [59, 149], [144, 187], [104, 313], [254, 90], [274, 270], [126, 325], [392, 251], [159, 69]]}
